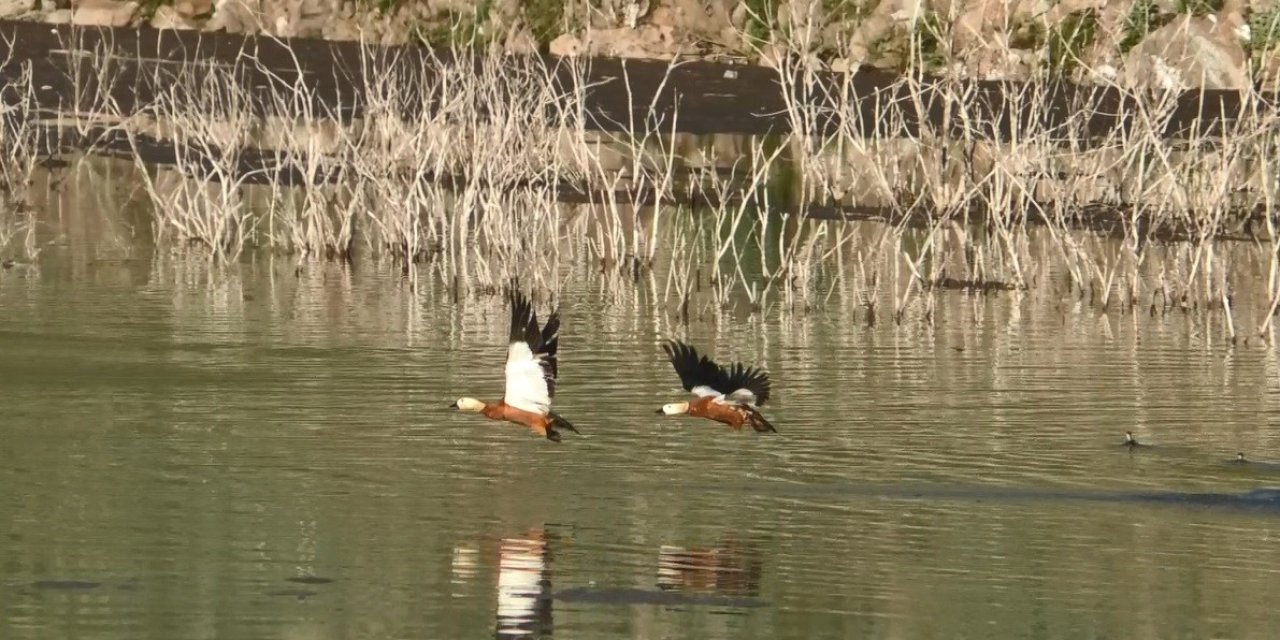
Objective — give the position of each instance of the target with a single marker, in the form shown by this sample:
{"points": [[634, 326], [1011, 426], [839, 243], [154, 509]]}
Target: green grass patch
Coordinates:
{"points": [[1264, 39], [1029, 35], [1264, 30], [762, 20], [884, 50], [147, 8], [923, 46], [1069, 40], [545, 19], [929, 41], [1198, 7], [844, 17], [930, 33], [459, 29], [849, 12], [1144, 17]]}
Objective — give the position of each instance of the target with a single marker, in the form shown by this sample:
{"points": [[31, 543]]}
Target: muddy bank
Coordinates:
{"points": [[134, 66], [1221, 44]]}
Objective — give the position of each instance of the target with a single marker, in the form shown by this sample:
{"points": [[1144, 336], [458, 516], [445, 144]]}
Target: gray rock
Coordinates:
{"points": [[14, 8], [565, 45], [190, 8], [104, 13], [236, 16], [1189, 52], [169, 18]]}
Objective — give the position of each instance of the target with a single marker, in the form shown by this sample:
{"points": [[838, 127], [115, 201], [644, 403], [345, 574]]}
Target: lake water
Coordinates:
{"points": [[265, 452]]}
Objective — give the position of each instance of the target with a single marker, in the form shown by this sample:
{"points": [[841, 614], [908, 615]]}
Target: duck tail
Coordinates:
{"points": [[760, 424], [558, 420]]}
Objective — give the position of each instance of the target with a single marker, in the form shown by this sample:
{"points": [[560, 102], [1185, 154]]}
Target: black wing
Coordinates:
{"points": [[700, 371], [543, 343]]}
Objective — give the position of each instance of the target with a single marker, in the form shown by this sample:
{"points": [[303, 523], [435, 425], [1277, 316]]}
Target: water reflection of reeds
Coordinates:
{"points": [[210, 431], [472, 192]]}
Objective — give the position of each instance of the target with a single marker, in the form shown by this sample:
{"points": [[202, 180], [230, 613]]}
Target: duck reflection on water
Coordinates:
{"points": [[524, 591], [524, 586], [731, 569]]}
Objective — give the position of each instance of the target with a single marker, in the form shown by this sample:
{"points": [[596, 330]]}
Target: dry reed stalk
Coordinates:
{"points": [[208, 119], [506, 133], [91, 72], [310, 218], [19, 140]]}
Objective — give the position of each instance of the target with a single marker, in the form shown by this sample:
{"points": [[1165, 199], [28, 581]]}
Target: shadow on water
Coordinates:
{"points": [[632, 596], [71, 585], [300, 594], [65, 585], [1259, 500], [1240, 461]]}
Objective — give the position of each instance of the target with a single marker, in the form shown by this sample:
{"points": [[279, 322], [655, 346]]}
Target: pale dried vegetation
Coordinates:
{"points": [[469, 194], [19, 144]]}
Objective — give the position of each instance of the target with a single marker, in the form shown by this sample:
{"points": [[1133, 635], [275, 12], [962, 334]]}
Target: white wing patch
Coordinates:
{"points": [[703, 391], [742, 396], [526, 386]]}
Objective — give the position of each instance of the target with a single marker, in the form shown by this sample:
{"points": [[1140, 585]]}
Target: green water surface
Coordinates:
{"points": [[266, 452]]}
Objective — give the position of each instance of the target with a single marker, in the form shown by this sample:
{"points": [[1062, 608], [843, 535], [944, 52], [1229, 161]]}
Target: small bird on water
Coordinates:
{"points": [[1132, 442]]}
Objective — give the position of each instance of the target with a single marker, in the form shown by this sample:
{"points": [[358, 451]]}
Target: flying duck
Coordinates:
{"points": [[728, 395], [531, 375]]}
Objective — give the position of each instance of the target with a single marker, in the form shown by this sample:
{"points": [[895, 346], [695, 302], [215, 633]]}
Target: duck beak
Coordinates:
{"points": [[454, 405]]}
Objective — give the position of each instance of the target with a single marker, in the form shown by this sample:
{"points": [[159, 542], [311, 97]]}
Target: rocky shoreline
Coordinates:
{"points": [[1156, 44]]}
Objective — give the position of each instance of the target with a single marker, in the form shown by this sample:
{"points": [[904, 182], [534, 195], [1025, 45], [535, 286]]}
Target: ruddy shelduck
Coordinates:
{"points": [[729, 395], [531, 375]]}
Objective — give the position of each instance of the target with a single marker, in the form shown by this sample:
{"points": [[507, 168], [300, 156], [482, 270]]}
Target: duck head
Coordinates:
{"points": [[674, 409], [470, 405]]}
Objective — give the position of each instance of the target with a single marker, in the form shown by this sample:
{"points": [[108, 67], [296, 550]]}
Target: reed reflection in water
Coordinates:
{"points": [[178, 441]]}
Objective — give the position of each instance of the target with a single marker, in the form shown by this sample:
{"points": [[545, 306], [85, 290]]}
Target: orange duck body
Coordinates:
{"points": [[736, 416], [543, 425], [531, 375], [728, 395]]}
